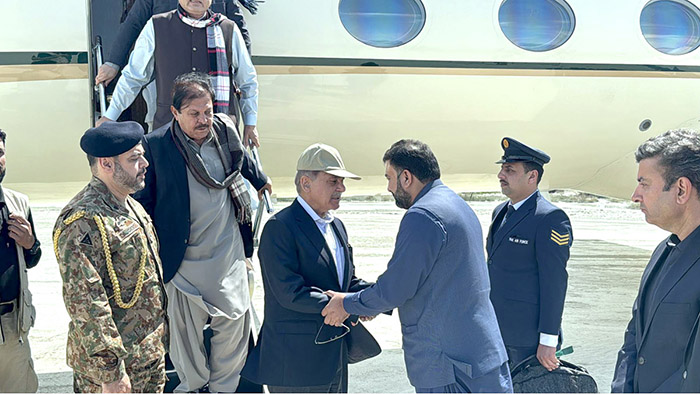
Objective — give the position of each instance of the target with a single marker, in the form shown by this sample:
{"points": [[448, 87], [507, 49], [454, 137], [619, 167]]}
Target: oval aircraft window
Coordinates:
{"points": [[536, 25], [382, 24], [671, 26]]}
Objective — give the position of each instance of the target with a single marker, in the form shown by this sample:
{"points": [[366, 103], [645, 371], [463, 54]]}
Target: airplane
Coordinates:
{"points": [[586, 81]]}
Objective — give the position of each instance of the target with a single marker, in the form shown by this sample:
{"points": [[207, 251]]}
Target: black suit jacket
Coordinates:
{"points": [[691, 370], [143, 10], [652, 356], [166, 197], [295, 262]]}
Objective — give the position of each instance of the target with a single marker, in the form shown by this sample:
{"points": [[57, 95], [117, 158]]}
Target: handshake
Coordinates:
{"points": [[335, 313]]}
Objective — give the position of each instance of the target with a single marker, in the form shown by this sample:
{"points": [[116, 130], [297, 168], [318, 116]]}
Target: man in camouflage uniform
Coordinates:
{"points": [[107, 252]]}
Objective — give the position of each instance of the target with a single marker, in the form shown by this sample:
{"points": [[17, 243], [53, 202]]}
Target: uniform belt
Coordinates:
{"points": [[7, 307]]}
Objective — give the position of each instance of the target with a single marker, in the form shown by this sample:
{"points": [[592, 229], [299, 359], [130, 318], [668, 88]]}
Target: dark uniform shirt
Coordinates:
{"points": [[9, 266]]}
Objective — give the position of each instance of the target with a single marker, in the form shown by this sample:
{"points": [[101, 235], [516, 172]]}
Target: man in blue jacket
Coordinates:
{"points": [[438, 280], [528, 247]]}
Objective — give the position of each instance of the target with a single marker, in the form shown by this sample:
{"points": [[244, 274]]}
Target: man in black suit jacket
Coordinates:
{"points": [[303, 251], [201, 248], [652, 355]]}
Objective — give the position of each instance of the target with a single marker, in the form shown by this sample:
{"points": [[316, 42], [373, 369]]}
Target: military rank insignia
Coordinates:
{"points": [[86, 240], [560, 239]]}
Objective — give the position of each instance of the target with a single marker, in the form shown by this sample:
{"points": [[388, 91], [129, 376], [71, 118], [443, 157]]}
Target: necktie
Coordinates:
{"points": [[509, 212]]}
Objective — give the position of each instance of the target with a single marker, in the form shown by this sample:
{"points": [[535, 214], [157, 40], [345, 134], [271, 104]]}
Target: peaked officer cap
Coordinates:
{"points": [[111, 138], [517, 151]]}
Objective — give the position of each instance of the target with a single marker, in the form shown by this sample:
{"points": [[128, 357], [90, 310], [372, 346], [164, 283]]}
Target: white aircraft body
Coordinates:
{"points": [[584, 80]]}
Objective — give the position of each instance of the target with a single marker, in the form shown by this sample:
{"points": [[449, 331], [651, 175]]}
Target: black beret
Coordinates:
{"points": [[517, 151], [111, 138]]}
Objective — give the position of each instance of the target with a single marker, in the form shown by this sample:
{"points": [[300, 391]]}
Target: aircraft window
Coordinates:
{"points": [[382, 24], [536, 25], [671, 26]]}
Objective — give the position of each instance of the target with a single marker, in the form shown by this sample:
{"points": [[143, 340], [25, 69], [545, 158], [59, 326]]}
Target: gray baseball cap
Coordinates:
{"points": [[322, 157]]}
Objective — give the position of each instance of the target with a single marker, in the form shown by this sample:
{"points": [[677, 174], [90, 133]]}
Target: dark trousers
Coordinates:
{"points": [[338, 385], [516, 354], [496, 381]]}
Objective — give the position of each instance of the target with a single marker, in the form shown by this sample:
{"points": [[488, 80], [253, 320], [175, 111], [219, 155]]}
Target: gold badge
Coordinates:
{"points": [[505, 143]]}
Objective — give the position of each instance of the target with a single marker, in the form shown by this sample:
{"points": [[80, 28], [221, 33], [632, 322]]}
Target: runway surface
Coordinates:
{"points": [[612, 245]]}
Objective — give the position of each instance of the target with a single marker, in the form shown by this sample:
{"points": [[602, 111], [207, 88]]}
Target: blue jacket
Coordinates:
{"points": [[652, 356], [527, 267], [437, 278], [166, 197], [296, 265]]}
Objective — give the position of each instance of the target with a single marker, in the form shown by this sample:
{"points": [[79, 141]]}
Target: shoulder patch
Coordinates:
{"points": [[85, 240], [560, 239]]}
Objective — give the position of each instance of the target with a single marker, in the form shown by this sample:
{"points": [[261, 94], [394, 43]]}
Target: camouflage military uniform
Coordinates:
{"points": [[105, 340]]}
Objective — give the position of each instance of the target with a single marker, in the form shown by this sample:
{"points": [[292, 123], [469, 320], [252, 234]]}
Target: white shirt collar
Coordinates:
{"points": [[314, 216], [521, 202]]}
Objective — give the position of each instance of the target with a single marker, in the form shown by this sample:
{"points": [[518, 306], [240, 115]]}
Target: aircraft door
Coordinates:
{"points": [[105, 17]]}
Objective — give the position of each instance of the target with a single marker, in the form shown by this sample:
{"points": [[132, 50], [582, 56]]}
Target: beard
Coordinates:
{"points": [[2, 174], [121, 177], [401, 197]]}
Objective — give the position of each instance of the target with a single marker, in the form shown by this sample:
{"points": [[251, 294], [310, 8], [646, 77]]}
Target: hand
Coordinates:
{"points": [[334, 312], [21, 231], [268, 187], [250, 134], [122, 385], [102, 120], [546, 356], [105, 74], [364, 319]]}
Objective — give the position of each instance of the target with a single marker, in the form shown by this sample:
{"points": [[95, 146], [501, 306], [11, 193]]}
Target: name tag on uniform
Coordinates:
{"points": [[130, 229], [518, 240]]}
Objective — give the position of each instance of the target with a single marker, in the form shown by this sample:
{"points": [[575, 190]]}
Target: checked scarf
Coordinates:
{"points": [[216, 48], [231, 153]]}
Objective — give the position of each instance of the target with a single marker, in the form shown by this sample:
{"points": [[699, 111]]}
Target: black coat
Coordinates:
{"points": [[691, 369], [294, 257], [651, 358], [143, 10], [166, 197]]}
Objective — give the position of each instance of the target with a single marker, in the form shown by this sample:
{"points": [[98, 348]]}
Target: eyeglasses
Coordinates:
{"points": [[334, 337]]}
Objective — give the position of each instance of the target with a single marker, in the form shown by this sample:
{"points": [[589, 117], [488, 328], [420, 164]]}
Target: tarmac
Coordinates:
{"points": [[612, 244]]}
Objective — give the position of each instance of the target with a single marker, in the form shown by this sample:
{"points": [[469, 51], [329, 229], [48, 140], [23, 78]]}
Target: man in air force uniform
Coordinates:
{"points": [[107, 253], [528, 247]]}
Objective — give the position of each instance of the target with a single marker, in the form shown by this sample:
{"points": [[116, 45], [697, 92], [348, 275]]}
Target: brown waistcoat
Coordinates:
{"points": [[180, 49]]}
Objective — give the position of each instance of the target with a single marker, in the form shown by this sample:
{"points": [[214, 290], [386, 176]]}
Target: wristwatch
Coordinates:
{"points": [[35, 247]]}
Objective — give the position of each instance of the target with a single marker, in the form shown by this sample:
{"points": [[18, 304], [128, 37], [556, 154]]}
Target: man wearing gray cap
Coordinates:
{"points": [[303, 251], [107, 252]]}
